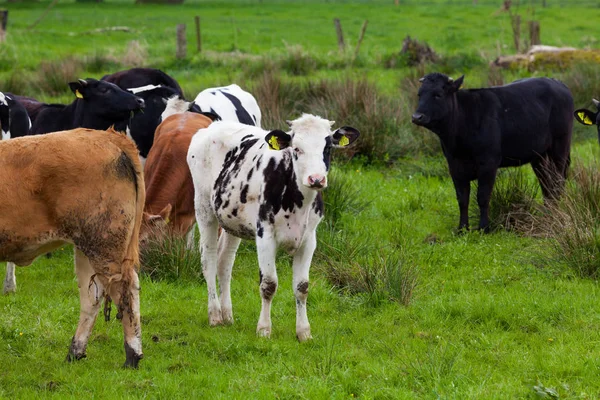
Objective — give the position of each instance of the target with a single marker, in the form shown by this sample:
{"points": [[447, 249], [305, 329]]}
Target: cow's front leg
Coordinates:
{"points": [[209, 231], [91, 293], [302, 260], [228, 246], [462, 186], [10, 281], [266, 249], [485, 185]]}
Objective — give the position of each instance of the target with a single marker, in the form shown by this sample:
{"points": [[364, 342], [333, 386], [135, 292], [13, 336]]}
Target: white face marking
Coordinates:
{"points": [[3, 99], [175, 105], [143, 88], [5, 135]]}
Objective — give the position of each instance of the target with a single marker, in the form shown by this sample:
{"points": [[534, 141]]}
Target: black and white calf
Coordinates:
{"points": [[263, 186], [231, 103], [14, 119]]}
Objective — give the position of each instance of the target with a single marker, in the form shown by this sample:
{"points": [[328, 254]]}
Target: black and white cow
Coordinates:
{"points": [[588, 117], [231, 103], [14, 118], [264, 186], [155, 87], [98, 105], [481, 130]]}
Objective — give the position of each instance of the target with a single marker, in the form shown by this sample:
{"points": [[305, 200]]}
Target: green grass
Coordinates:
{"points": [[401, 307], [488, 319]]}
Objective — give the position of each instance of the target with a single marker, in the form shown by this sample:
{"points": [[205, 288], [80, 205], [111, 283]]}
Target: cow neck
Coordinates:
{"points": [[452, 127], [83, 119]]}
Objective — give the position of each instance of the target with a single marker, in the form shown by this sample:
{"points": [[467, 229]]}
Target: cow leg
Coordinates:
{"points": [[302, 260], [126, 296], [10, 281], [209, 230], [91, 293], [485, 185], [462, 186], [266, 249], [227, 249], [543, 171]]}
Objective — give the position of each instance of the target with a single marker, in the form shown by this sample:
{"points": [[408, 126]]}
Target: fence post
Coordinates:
{"points": [[360, 37], [3, 22], [198, 37], [534, 33], [340, 34], [181, 42]]}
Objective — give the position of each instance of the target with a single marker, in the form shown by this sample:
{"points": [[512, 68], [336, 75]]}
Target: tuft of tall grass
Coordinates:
{"points": [[54, 76], [350, 264], [574, 223], [166, 257], [342, 196]]}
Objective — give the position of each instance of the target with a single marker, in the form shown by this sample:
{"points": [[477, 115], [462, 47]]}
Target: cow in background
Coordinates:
{"points": [[231, 103], [83, 187], [588, 118], [98, 105], [264, 186], [481, 130], [14, 119]]}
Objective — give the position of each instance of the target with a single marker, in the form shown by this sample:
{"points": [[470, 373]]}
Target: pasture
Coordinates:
{"points": [[401, 306]]}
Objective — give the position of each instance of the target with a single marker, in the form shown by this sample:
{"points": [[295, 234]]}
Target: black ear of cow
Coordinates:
{"points": [[193, 107], [213, 117], [77, 88], [345, 136], [457, 83], [585, 117], [278, 140]]}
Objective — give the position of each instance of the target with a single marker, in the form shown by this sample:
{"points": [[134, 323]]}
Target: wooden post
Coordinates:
{"points": [[534, 33], [340, 34], [3, 22], [181, 42], [360, 37], [397, 2], [516, 25], [198, 37]]}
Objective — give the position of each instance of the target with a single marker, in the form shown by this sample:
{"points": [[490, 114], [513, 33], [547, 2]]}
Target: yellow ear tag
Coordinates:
{"points": [[344, 141], [78, 95], [584, 118], [273, 143]]}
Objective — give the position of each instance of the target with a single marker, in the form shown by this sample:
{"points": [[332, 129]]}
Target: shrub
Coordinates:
{"points": [[166, 257]]}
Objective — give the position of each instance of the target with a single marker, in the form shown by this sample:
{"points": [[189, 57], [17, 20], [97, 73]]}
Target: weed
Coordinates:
{"points": [[166, 257], [342, 197]]}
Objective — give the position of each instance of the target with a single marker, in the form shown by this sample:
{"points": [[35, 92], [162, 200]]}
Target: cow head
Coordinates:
{"points": [[154, 226], [436, 99], [310, 141], [107, 99], [587, 117]]}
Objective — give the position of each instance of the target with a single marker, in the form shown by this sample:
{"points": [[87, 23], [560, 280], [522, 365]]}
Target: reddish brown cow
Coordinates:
{"points": [[83, 187], [169, 186]]}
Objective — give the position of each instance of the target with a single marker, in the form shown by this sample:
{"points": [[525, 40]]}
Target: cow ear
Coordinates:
{"points": [[278, 140], [345, 136], [160, 219], [212, 116], [77, 88], [455, 85], [585, 117]]}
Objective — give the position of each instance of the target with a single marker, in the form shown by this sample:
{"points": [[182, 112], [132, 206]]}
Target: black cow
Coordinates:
{"points": [[14, 119], [155, 87], [481, 130], [587, 117], [98, 105]]}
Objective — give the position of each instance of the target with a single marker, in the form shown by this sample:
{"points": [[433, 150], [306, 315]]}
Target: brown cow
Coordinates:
{"points": [[83, 187], [169, 186]]}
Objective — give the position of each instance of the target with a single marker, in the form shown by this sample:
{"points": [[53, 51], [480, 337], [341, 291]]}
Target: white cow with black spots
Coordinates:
{"points": [[231, 103], [263, 186]]}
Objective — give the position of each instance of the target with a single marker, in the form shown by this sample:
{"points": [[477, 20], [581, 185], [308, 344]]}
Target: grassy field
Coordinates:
{"points": [[400, 305]]}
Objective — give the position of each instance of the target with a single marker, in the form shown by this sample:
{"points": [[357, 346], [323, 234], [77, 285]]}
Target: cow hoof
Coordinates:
{"points": [[263, 332], [132, 359], [227, 316], [8, 289], [76, 351], [303, 336], [215, 318], [71, 357]]}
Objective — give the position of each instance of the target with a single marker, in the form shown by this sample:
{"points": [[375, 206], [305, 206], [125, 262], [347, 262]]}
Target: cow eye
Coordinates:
{"points": [[297, 150]]}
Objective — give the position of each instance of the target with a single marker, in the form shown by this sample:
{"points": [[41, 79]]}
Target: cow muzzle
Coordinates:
{"points": [[419, 119], [317, 181]]}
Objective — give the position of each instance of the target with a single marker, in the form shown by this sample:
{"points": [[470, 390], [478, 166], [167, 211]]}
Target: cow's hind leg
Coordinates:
{"points": [[485, 186], [209, 231], [266, 250], [91, 293], [10, 281], [228, 246], [549, 178], [126, 296], [302, 260]]}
